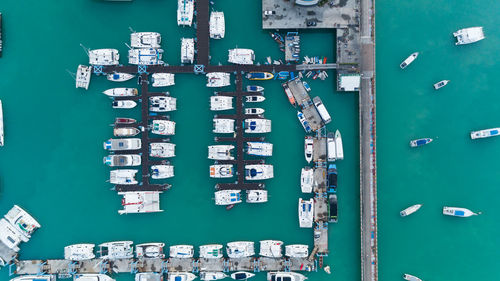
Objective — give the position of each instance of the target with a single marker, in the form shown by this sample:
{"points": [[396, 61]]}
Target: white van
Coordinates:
{"points": [[322, 110]]}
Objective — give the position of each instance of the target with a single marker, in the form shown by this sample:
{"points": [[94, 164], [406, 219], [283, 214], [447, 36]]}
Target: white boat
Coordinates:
{"points": [[116, 250], [181, 251], [35, 278], [331, 147], [307, 180], [241, 56], [121, 92], [122, 160], [150, 251], [180, 276], [485, 133], [223, 126], [162, 171], [303, 121], [22, 226], [441, 84], [458, 212], [125, 176], [122, 144], [185, 11], [255, 88], [227, 197], [210, 275], [187, 50], [271, 248], [308, 148], [256, 196], [218, 103], [411, 277], [240, 249], [162, 79], [140, 202], [163, 127], [162, 104], [161, 149], [148, 276], [145, 40], [1, 125], [217, 25], [338, 145], [218, 79], [410, 210], [408, 60], [242, 275], [306, 213], [92, 277], [119, 76], [469, 35], [259, 172], [259, 148], [126, 132], [220, 152], [297, 251], [255, 98], [124, 104], [212, 251], [254, 110], [104, 57], [145, 56], [288, 276], [257, 126], [221, 171], [79, 252], [83, 75]]}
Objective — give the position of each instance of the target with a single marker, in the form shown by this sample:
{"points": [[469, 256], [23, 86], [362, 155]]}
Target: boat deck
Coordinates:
{"points": [[320, 175], [320, 153], [303, 99]]}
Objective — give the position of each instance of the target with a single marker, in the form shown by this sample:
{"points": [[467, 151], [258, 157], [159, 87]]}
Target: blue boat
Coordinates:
{"points": [[259, 76], [303, 121], [332, 178], [283, 75], [420, 142], [255, 88]]}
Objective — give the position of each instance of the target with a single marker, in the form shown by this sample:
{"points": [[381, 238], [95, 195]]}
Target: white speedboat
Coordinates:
{"points": [[338, 145], [297, 251], [124, 104], [255, 98], [140, 202], [227, 197], [217, 25], [122, 160], [307, 180], [181, 251], [441, 84], [257, 126], [104, 57], [92, 277], [331, 147], [221, 171], [408, 60], [161, 149], [79, 252], [83, 75], [212, 251], [218, 103], [303, 122], [126, 132], [281, 275], [163, 127], [185, 11], [1, 125], [240, 249], [145, 40], [469, 35], [308, 148], [256, 196], [458, 212], [271, 248], [148, 276], [493, 132], [162, 104], [260, 148], [255, 88], [124, 176], [306, 213], [116, 250], [254, 110], [122, 144], [145, 56], [187, 50], [180, 276], [162, 171], [223, 126], [242, 275], [241, 56], [259, 172], [411, 277], [121, 92], [210, 275], [163, 79], [218, 79], [410, 210], [119, 76], [49, 277], [150, 251], [220, 152]]}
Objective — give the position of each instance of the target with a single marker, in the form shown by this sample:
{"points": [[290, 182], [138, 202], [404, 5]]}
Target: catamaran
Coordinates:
{"points": [[240, 249], [410, 210], [126, 132], [218, 103], [469, 35], [122, 144], [162, 171], [241, 56], [257, 126], [180, 276], [458, 212], [185, 11], [306, 213], [420, 142], [162, 104], [221, 171], [297, 251], [163, 79], [408, 60], [79, 252], [259, 76], [242, 275], [119, 76], [493, 132], [163, 127], [260, 148], [187, 50], [220, 152], [212, 251], [271, 248], [256, 196], [140, 202], [338, 146], [218, 79], [148, 276], [281, 275], [145, 56], [116, 250], [211, 275], [104, 57], [227, 197], [217, 25], [308, 148], [124, 104], [161, 149], [181, 251], [123, 176], [307, 180], [259, 172], [145, 40], [441, 84], [223, 126], [122, 160], [83, 75]]}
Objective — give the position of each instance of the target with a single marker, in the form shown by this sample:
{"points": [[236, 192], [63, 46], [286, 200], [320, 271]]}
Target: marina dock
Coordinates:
{"points": [[303, 99]]}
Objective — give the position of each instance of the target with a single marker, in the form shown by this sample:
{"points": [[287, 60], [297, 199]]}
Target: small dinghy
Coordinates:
{"points": [[124, 104], [126, 132], [119, 77], [242, 275], [410, 210], [441, 84], [420, 142], [408, 60], [411, 277]]}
